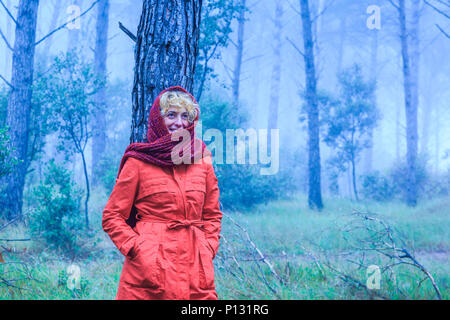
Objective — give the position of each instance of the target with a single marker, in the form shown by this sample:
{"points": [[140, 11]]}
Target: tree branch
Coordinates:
{"points": [[7, 224], [437, 10], [251, 58], [6, 81], [65, 24], [293, 44], [394, 5], [441, 30], [6, 40], [322, 12], [9, 13], [127, 32]]}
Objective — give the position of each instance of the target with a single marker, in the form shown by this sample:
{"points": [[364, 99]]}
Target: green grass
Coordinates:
{"points": [[284, 231]]}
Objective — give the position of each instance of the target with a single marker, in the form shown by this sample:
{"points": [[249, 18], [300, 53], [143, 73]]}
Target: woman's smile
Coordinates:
{"points": [[176, 118]]}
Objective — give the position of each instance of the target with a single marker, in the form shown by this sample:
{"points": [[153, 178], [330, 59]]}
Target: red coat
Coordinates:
{"points": [[169, 253]]}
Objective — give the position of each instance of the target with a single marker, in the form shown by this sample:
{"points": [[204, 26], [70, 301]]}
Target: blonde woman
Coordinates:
{"points": [[165, 217]]}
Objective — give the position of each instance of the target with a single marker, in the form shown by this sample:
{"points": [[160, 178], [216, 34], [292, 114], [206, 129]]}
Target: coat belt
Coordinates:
{"points": [[172, 224]]}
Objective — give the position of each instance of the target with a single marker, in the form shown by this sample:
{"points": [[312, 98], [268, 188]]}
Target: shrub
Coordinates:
{"points": [[241, 185], [399, 177], [377, 187], [56, 219]]}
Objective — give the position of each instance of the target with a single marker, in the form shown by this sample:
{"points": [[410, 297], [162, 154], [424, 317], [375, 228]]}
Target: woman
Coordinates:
{"points": [[165, 218]]}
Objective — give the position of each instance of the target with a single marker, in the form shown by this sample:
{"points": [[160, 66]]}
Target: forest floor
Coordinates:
{"points": [[281, 250]]}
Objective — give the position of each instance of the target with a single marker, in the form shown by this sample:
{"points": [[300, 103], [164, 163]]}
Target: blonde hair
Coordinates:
{"points": [[178, 99]]}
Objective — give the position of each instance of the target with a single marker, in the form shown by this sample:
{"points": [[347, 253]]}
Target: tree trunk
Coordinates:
{"points": [[53, 25], [166, 54], [86, 211], [342, 36], [99, 124], [19, 104], [437, 128], [368, 161], [74, 33], [238, 60], [276, 74], [410, 109], [8, 36], [355, 190], [314, 171]]}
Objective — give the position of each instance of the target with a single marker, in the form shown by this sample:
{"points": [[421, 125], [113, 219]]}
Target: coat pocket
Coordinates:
{"points": [[146, 268], [195, 193], [155, 194], [151, 187], [206, 275]]}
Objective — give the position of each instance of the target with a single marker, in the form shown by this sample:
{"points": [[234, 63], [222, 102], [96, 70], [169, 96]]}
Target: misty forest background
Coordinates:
{"points": [[359, 91]]}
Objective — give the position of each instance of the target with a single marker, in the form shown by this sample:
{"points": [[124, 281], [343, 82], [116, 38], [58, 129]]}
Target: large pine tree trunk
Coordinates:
{"points": [[410, 109], [165, 55], [19, 104], [99, 124], [314, 171], [276, 74]]}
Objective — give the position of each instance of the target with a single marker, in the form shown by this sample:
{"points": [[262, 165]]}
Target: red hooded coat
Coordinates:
{"points": [[170, 250]]}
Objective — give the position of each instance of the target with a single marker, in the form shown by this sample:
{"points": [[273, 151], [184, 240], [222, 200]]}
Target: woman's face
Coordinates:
{"points": [[175, 119]]}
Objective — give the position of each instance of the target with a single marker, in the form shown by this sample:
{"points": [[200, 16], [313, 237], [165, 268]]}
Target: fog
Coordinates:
{"points": [[343, 37]]}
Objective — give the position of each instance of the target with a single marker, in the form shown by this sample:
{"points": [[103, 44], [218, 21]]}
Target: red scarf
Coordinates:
{"points": [[159, 147]]}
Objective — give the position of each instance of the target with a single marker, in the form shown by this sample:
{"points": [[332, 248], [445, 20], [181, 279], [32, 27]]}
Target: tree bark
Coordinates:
{"points": [[19, 104], [99, 123], [165, 55], [314, 170]]}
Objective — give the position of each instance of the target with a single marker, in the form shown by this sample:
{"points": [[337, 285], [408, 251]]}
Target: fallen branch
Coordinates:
{"points": [[261, 255]]}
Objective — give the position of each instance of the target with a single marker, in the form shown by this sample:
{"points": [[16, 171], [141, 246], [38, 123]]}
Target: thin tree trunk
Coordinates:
{"points": [[342, 36], [203, 77], [368, 163], [53, 24], [99, 124], [165, 55], [74, 34], [314, 170], [397, 132], [19, 104], [239, 53], [8, 36], [86, 211], [410, 109], [354, 177], [427, 112], [437, 137], [276, 74]]}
